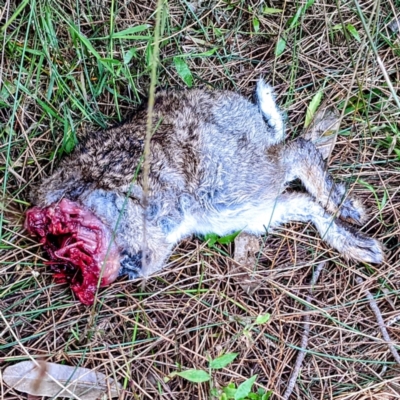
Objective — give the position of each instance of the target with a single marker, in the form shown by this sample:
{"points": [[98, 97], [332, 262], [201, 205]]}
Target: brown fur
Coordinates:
{"points": [[217, 164]]}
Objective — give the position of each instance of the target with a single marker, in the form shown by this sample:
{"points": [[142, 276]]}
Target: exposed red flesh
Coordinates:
{"points": [[79, 246]]}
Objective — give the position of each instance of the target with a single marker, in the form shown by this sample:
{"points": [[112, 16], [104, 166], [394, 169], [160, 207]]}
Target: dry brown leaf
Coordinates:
{"points": [[50, 379], [323, 131]]}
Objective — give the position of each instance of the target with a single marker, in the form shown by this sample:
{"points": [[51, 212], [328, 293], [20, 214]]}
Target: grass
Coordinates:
{"points": [[71, 67]]}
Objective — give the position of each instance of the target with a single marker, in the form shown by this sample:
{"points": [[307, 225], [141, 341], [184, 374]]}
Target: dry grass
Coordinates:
{"points": [[54, 86]]}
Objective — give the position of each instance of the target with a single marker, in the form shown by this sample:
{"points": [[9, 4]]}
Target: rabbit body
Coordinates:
{"points": [[218, 164]]}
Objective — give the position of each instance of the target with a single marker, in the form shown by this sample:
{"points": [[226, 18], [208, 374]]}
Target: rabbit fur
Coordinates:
{"points": [[218, 163]]}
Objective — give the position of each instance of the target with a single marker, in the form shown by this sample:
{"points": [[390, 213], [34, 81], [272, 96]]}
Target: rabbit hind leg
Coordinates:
{"points": [[349, 242]]}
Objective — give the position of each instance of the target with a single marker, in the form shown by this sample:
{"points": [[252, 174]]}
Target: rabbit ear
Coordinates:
{"points": [[323, 131], [265, 99]]}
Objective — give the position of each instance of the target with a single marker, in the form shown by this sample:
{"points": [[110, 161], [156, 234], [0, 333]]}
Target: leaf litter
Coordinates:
{"points": [[51, 379]]}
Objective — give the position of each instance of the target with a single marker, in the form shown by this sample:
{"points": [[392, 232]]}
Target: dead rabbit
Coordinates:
{"points": [[218, 164]]}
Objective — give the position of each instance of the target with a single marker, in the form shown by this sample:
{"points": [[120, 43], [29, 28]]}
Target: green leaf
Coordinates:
{"points": [[367, 185], [214, 392], [263, 318], [245, 388], [7, 90], [84, 40], [267, 395], [382, 204], [194, 375], [35, 52], [111, 61], [230, 390], [223, 361], [15, 15], [149, 54], [268, 10], [183, 71], [256, 24], [211, 238], [293, 21], [371, 188], [228, 238], [312, 108], [280, 46], [127, 33], [170, 376], [309, 4], [353, 31], [69, 139], [203, 54], [129, 55], [48, 109], [69, 143], [206, 53]]}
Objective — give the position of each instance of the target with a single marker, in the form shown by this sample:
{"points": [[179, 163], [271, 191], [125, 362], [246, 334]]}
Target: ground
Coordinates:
{"points": [[71, 67]]}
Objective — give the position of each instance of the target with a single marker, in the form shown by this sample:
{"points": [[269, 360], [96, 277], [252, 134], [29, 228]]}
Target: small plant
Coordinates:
{"points": [[349, 28], [213, 238], [241, 392]]}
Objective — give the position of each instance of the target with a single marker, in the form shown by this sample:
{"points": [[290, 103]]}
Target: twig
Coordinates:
{"points": [[304, 339], [149, 123], [380, 320]]}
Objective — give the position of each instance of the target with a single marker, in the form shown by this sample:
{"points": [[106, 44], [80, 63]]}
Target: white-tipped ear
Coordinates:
{"points": [[269, 109]]}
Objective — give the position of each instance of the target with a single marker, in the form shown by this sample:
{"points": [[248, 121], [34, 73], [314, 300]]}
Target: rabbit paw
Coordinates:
{"points": [[353, 211]]}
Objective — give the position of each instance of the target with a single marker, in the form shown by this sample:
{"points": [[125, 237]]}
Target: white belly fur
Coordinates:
{"points": [[249, 218]]}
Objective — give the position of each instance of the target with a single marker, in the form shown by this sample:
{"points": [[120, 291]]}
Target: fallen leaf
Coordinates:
{"points": [[50, 379]]}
